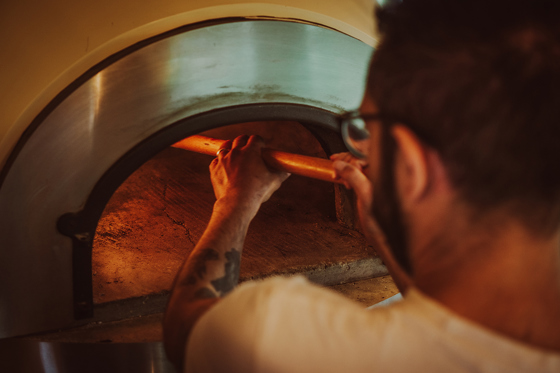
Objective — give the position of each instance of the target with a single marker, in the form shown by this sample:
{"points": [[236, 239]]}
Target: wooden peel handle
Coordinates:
{"points": [[303, 165]]}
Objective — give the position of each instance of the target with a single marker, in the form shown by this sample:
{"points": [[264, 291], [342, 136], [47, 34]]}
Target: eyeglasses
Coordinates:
{"points": [[355, 133]]}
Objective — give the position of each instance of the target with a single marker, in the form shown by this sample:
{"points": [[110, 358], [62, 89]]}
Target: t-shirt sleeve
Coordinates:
{"points": [[223, 339], [274, 325], [289, 325]]}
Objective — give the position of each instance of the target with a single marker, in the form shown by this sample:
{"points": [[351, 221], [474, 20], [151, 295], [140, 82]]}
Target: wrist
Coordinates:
{"points": [[241, 207]]}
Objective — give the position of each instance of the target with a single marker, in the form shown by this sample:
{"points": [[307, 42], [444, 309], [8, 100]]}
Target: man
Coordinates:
{"points": [[463, 115]]}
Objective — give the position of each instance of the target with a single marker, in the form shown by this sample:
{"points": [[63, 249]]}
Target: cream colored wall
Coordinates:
{"points": [[45, 45]]}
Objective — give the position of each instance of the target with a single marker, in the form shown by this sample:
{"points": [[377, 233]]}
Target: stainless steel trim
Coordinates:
{"points": [[198, 71]]}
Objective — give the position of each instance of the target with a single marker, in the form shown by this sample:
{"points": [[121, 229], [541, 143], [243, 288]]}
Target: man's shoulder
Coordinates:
{"points": [[283, 295], [289, 324], [293, 287]]}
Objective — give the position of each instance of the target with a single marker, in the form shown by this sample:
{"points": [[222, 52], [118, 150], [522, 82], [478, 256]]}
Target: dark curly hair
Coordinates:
{"points": [[479, 81]]}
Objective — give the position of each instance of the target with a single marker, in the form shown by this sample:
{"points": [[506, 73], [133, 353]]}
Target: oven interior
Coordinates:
{"points": [[154, 219]]}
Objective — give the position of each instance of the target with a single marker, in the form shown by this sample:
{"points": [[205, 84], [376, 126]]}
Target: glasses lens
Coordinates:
{"points": [[355, 136]]}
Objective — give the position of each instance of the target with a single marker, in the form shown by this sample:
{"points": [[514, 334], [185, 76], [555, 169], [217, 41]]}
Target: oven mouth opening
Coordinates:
{"points": [[94, 288]]}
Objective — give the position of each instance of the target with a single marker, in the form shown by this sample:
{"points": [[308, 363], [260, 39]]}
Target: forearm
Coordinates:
{"points": [[210, 272], [241, 182], [212, 269]]}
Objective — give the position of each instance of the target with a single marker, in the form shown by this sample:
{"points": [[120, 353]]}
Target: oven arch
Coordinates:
{"points": [[262, 69], [80, 226]]}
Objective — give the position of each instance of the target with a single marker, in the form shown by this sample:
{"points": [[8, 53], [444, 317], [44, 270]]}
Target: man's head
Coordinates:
{"points": [[477, 82]]}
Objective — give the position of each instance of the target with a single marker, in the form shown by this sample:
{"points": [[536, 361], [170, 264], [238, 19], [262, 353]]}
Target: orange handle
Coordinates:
{"points": [[316, 168]]}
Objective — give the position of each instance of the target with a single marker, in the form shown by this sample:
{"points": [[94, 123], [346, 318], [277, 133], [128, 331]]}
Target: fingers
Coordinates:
{"points": [[258, 142], [240, 172], [243, 142], [353, 178], [227, 144], [349, 158], [224, 149], [240, 141], [345, 156], [349, 169], [255, 141]]}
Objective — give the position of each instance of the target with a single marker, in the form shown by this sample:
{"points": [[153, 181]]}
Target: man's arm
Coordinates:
{"points": [[349, 170], [242, 182]]}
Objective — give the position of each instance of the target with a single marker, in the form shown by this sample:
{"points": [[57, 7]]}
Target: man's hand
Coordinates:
{"points": [[240, 175], [350, 170]]}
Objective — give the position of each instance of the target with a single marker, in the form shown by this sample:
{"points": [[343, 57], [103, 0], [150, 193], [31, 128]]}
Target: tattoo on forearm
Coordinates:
{"points": [[201, 259], [226, 284], [222, 285], [198, 266]]}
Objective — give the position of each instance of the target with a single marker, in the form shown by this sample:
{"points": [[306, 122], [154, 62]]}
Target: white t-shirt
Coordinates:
{"points": [[290, 325]]}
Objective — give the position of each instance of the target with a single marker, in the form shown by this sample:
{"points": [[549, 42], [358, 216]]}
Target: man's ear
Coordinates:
{"points": [[412, 163]]}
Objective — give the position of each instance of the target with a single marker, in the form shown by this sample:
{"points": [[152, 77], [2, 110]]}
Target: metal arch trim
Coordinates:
{"points": [[110, 111], [91, 72]]}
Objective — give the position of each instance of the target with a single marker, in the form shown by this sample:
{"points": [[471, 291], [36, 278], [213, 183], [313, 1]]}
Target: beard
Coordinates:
{"points": [[386, 207]]}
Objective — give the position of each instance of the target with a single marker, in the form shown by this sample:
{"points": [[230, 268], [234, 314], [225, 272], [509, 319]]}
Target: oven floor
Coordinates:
{"points": [[132, 345], [148, 328]]}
